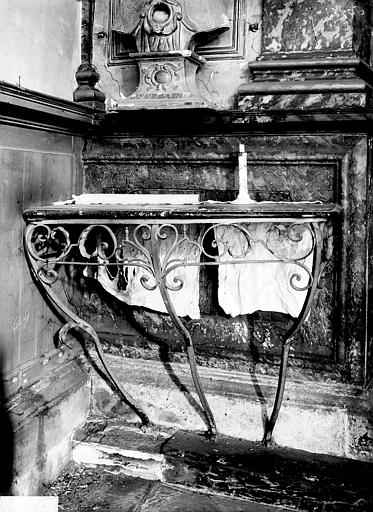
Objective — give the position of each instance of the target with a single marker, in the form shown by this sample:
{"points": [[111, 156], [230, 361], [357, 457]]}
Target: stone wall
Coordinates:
{"points": [[281, 168], [304, 26]]}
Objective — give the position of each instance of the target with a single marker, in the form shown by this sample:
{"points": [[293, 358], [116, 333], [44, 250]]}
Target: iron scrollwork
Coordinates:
{"points": [[120, 247]]}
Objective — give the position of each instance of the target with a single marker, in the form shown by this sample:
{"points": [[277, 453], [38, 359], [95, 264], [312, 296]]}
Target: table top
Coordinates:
{"points": [[185, 213]]}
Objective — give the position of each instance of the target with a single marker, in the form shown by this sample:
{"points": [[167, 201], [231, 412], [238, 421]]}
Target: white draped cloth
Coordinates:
{"points": [[127, 285], [243, 288], [248, 287]]}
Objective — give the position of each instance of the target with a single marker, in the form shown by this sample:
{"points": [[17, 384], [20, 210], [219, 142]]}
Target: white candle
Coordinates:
{"points": [[243, 194], [242, 170]]}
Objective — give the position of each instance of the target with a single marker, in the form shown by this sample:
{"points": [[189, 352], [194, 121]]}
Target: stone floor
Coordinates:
{"points": [[276, 475], [120, 468], [82, 489]]}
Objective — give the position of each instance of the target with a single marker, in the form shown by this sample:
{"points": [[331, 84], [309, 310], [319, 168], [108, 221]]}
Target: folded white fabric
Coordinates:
{"points": [[266, 286], [132, 284], [130, 199], [263, 283]]}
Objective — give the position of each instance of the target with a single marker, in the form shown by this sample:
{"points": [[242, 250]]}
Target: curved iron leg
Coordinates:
{"points": [[288, 338], [209, 417], [270, 425], [126, 397], [85, 326]]}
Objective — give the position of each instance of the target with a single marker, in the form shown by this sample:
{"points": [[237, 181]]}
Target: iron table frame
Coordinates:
{"points": [[155, 221]]}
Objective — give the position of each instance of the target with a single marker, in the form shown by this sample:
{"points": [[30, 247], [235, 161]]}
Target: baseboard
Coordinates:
{"points": [[43, 418], [329, 418]]}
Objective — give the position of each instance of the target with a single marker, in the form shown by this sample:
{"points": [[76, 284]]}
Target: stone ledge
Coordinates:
{"points": [[332, 419], [259, 478], [275, 476], [337, 83]]}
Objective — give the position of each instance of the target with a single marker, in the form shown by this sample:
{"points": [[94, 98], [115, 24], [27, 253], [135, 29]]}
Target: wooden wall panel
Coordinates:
{"points": [[36, 167], [57, 177], [11, 164]]}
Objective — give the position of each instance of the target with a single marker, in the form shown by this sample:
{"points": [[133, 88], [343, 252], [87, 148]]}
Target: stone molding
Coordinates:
{"points": [[343, 82]]}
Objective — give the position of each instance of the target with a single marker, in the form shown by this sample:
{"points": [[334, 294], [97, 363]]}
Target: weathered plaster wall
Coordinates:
{"points": [[40, 44]]}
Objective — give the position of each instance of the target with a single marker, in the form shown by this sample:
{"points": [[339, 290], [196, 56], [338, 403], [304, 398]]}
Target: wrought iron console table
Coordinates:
{"points": [[123, 236]]}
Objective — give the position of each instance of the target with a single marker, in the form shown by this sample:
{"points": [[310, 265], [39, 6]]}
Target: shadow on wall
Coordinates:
{"points": [[7, 441]]}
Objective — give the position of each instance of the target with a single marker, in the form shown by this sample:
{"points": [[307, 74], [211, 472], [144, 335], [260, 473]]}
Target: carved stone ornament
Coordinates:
{"points": [[167, 25], [167, 81], [166, 32]]}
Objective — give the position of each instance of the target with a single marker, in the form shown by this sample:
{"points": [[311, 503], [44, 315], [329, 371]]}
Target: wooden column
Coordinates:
{"points": [[87, 75]]}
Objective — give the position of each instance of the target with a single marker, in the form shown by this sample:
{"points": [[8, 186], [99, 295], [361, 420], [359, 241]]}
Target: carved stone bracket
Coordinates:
{"points": [[167, 80], [165, 33]]}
